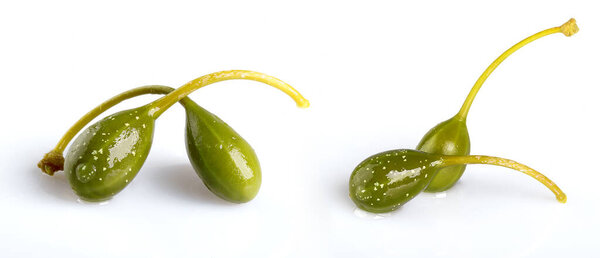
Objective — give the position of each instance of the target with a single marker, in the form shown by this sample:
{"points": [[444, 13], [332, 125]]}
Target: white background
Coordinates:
{"points": [[379, 74]]}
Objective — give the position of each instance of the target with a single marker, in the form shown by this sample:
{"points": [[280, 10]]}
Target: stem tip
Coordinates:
{"points": [[53, 161], [562, 198], [569, 28], [303, 103]]}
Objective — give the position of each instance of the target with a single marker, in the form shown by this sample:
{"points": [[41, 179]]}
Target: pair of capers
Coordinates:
{"points": [[386, 181], [107, 155]]}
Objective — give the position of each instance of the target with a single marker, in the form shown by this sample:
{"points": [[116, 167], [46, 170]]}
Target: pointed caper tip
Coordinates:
{"points": [[52, 162]]}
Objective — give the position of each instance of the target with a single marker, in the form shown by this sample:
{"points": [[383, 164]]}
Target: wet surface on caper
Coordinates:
{"points": [[450, 137], [108, 154], [225, 162], [385, 181]]}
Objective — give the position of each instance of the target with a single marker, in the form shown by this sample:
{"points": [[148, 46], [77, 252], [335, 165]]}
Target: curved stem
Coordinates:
{"points": [[478, 159], [85, 119], [161, 105], [568, 29], [53, 160]]}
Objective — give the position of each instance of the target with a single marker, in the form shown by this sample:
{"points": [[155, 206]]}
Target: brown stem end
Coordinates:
{"points": [[53, 161]]}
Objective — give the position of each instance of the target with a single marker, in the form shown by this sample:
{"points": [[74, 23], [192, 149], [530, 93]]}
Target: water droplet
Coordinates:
{"points": [[440, 195], [368, 215], [79, 200]]}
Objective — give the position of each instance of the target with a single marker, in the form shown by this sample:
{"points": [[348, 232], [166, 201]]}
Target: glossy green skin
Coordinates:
{"points": [[386, 181], [108, 154], [450, 137], [225, 162]]}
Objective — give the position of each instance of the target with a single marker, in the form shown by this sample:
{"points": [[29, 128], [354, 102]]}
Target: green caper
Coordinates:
{"points": [[226, 163], [106, 157], [386, 181], [451, 137]]}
